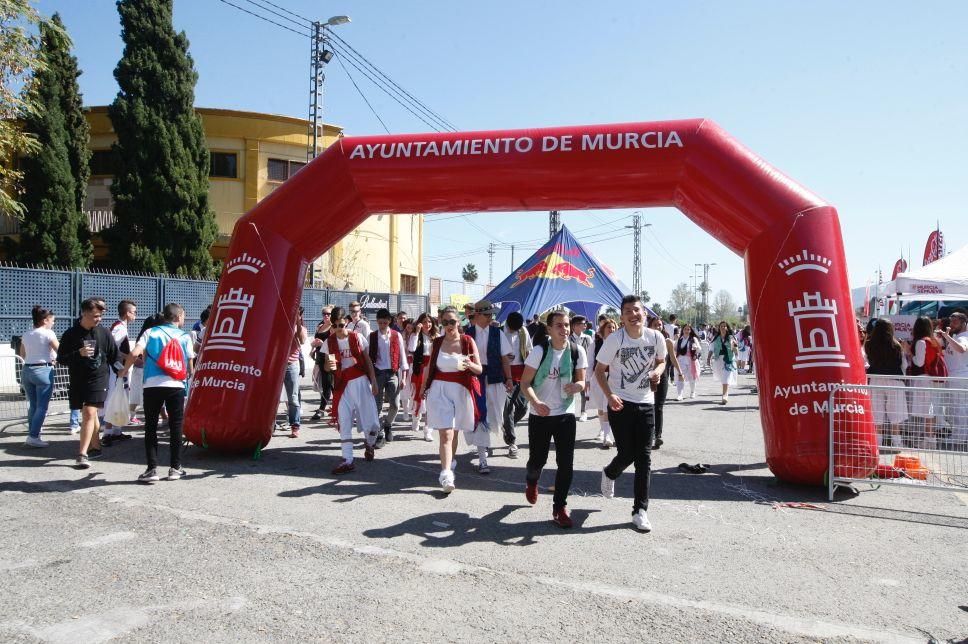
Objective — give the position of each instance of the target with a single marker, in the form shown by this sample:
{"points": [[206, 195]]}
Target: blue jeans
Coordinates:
{"points": [[39, 384], [293, 397], [76, 418]]}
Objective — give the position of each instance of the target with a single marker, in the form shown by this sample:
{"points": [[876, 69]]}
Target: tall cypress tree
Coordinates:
{"points": [[64, 65], [54, 230], [163, 221]]}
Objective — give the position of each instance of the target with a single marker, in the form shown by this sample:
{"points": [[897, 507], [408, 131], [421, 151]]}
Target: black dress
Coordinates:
{"points": [[88, 376]]}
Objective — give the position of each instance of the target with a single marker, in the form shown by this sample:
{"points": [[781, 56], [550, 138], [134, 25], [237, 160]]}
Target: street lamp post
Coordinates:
{"points": [[319, 56], [637, 227]]}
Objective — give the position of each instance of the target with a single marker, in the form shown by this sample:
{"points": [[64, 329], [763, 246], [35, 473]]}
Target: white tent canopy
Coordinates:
{"points": [[946, 278]]}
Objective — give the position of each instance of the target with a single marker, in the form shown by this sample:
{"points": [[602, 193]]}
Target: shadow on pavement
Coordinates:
{"points": [[454, 529]]}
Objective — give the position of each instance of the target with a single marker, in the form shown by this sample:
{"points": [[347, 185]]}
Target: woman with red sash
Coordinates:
{"points": [[354, 388], [448, 389], [419, 348]]}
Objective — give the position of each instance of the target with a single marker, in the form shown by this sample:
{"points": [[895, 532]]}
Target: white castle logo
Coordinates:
{"points": [[818, 344], [231, 312], [245, 262], [805, 261]]}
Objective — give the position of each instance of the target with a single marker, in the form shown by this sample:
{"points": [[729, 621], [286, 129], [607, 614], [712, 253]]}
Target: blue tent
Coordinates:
{"points": [[560, 272]]}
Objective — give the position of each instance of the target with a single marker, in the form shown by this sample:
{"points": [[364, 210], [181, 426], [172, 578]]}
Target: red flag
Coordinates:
{"points": [[899, 267], [934, 249]]}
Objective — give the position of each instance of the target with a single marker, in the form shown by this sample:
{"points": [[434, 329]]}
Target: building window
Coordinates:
{"points": [[102, 163], [281, 169], [408, 283], [224, 165]]}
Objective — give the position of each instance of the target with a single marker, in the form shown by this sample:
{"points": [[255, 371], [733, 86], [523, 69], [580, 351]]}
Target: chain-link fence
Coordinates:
{"points": [[920, 424]]}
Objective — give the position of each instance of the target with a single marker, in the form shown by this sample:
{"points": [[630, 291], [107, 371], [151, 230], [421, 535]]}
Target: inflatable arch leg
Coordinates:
{"points": [[790, 239]]}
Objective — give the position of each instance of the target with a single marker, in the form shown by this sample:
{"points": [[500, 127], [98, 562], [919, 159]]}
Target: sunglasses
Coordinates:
{"points": [[448, 322], [340, 325]]}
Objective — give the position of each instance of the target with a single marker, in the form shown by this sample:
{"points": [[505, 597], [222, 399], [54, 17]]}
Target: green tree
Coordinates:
{"points": [[64, 65], [469, 273], [19, 59], [54, 229], [163, 220]]}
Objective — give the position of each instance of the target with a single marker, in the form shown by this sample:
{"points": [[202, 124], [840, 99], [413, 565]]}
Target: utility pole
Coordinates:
{"points": [[490, 263], [704, 289], [512, 257], [636, 253], [554, 223], [316, 77], [319, 56]]}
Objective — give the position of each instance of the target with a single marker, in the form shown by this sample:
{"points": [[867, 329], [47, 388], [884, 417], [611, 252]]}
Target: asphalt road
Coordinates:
{"points": [[279, 549]]}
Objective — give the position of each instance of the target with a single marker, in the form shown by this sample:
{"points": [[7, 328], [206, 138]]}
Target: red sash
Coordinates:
{"points": [[465, 378], [342, 376], [415, 381], [517, 370]]}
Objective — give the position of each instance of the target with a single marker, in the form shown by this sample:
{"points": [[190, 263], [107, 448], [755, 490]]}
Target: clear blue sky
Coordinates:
{"points": [[861, 102]]}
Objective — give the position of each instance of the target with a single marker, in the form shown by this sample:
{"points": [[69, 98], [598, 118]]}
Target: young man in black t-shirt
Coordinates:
{"points": [[88, 350]]}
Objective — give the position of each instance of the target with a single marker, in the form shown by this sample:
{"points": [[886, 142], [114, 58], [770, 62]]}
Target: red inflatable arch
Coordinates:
{"points": [[796, 272]]}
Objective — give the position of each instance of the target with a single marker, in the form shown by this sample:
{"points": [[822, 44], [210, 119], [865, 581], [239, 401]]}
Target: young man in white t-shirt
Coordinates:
{"points": [[559, 379], [628, 369], [127, 312], [956, 358]]}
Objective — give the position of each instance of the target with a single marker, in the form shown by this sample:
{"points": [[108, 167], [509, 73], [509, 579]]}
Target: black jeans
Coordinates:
{"points": [[326, 395], [173, 398], [514, 410], [634, 429], [541, 429], [661, 391]]}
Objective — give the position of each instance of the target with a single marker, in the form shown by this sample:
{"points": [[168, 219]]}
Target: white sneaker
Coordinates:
{"points": [[75, 429], [609, 441], [35, 442], [692, 396], [447, 481], [641, 521], [601, 436], [679, 398], [429, 435], [583, 418], [608, 487]]}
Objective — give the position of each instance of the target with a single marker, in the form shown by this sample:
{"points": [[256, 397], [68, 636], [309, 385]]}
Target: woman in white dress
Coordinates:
{"points": [[596, 398], [419, 347], [447, 391], [688, 352], [722, 353], [744, 339]]}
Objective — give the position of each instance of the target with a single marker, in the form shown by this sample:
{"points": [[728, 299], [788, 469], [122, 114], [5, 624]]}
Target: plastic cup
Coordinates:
{"points": [[331, 359], [90, 345], [461, 363]]}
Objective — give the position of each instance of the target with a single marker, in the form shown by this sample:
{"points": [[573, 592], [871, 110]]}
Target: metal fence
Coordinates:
{"points": [[921, 428], [13, 399], [63, 290]]}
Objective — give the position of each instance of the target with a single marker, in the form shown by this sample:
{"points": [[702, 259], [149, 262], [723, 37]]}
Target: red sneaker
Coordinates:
{"points": [[294, 431], [561, 519], [344, 468], [368, 452], [531, 492]]}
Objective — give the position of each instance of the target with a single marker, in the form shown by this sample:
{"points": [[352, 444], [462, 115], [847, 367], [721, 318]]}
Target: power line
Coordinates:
{"points": [[305, 34], [276, 13], [353, 64], [290, 12], [445, 122], [362, 95]]}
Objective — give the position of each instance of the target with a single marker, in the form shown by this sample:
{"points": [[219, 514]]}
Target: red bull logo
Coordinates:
{"points": [[554, 267]]}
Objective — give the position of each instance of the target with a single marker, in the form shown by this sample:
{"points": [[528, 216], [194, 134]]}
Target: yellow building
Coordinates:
{"points": [[252, 155]]}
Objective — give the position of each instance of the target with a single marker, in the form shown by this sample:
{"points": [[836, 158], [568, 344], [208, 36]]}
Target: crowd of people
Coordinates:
{"points": [[918, 387], [457, 376]]}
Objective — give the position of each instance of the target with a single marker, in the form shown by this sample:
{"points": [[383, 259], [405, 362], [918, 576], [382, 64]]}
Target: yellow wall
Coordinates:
{"points": [[365, 260]]}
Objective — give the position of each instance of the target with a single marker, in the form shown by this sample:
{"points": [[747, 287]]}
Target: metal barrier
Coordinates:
{"points": [[921, 427], [13, 398]]}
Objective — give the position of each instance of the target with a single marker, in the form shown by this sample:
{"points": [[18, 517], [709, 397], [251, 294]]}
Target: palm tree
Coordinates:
{"points": [[469, 273]]}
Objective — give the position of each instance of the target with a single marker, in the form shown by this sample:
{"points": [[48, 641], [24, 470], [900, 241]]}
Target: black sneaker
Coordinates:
{"points": [[81, 463], [388, 434], [107, 441], [150, 476], [380, 441], [318, 416], [94, 453], [658, 443], [176, 474]]}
